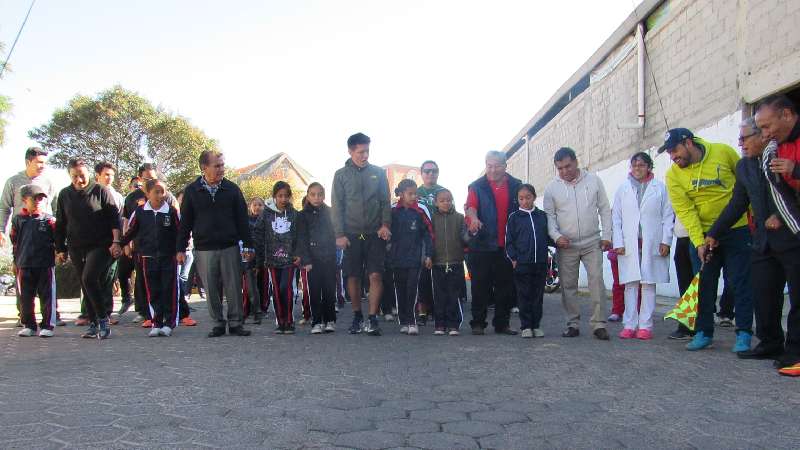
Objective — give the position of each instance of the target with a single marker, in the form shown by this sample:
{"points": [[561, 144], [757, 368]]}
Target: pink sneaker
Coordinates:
{"points": [[644, 334], [627, 333]]}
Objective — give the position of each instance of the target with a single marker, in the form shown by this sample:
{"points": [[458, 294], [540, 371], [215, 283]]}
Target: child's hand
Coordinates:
{"points": [[428, 263], [296, 260], [513, 264], [127, 251], [61, 257], [307, 267]]}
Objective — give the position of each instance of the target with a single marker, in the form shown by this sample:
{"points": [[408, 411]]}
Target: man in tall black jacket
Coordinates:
{"points": [[214, 213], [776, 253]]}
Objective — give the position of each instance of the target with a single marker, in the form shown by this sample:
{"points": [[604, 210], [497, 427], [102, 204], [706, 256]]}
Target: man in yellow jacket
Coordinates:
{"points": [[700, 184]]}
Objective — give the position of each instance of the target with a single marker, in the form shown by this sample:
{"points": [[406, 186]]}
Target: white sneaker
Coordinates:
{"points": [[614, 318], [388, 317], [139, 318], [316, 329], [154, 332], [453, 332], [165, 331], [330, 327], [413, 330], [527, 333], [45, 333], [394, 311], [302, 322], [438, 332], [515, 310], [537, 332], [404, 329], [25, 332]]}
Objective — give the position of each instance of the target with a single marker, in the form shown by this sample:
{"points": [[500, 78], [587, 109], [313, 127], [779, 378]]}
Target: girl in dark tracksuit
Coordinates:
{"points": [[251, 295], [280, 248], [412, 234], [318, 230], [154, 229], [526, 246]]}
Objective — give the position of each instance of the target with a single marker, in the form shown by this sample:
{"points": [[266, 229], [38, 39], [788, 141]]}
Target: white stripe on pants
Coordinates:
{"points": [[636, 316]]}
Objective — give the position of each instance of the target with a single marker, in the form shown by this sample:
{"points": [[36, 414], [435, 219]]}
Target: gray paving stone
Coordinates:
{"points": [[442, 441], [465, 407], [407, 426], [438, 415], [377, 413], [408, 405], [340, 423], [370, 440], [90, 434], [472, 428], [500, 417]]}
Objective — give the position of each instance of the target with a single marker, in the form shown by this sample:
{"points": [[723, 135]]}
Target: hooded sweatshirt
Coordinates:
{"points": [[451, 236], [576, 210], [277, 237], [700, 191], [360, 200]]}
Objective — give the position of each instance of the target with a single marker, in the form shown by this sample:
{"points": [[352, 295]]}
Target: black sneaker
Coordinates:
{"points": [[506, 330], [422, 320], [478, 330], [238, 331], [125, 306], [681, 334], [104, 330], [289, 329], [217, 332], [571, 332], [358, 324], [601, 334], [90, 332], [373, 326]]}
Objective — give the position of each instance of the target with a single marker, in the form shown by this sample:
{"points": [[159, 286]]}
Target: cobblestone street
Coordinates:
{"points": [[394, 391]]}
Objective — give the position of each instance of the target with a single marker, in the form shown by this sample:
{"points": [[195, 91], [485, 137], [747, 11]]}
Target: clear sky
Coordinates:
{"points": [[433, 79]]}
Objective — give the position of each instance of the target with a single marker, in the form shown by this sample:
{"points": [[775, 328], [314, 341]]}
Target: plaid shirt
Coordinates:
{"points": [[211, 189]]}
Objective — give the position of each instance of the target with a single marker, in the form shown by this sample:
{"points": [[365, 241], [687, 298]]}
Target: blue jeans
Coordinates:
{"points": [[732, 254], [183, 274]]}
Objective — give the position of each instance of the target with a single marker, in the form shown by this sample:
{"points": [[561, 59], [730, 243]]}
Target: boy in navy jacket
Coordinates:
{"points": [[33, 240], [154, 229], [527, 240]]}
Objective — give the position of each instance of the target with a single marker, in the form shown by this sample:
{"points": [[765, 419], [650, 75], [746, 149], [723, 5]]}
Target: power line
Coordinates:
{"points": [[5, 63]]}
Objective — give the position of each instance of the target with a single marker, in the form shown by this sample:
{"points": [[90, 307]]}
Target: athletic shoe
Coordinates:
{"points": [[330, 327], [725, 322], [515, 310], [153, 332], [627, 333], [164, 331], [614, 318], [681, 334], [506, 330], [189, 322], [25, 332], [742, 344], [439, 331], [404, 329], [453, 332], [103, 329], [644, 334], [257, 320], [413, 330], [601, 334], [699, 342], [527, 333], [147, 324], [388, 317], [571, 332], [786, 360], [19, 324], [240, 331], [287, 330], [90, 332], [316, 329], [45, 333], [537, 332], [790, 371], [125, 306], [81, 322], [60, 323], [358, 324], [202, 293], [422, 320], [113, 320], [278, 330], [139, 318], [302, 322], [373, 328], [216, 332], [478, 330]]}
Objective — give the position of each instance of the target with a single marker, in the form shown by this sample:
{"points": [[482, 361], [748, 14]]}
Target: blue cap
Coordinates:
{"points": [[674, 137]]}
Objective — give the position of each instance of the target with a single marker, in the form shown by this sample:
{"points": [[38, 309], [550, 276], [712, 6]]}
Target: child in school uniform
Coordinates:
{"points": [[153, 227], [318, 230], [412, 237], [33, 240], [280, 248], [451, 237], [251, 291], [527, 240]]}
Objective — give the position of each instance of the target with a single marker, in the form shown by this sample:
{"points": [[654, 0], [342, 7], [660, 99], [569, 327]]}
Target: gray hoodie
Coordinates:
{"points": [[11, 201], [575, 210]]}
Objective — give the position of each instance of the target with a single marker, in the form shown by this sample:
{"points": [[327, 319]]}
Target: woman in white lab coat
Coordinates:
{"points": [[642, 224]]}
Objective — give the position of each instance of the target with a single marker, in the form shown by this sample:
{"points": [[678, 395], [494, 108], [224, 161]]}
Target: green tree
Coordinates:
{"points": [[5, 106], [125, 129], [262, 187]]}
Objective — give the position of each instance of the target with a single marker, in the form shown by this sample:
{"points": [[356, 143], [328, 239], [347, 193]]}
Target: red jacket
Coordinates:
{"points": [[791, 150]]}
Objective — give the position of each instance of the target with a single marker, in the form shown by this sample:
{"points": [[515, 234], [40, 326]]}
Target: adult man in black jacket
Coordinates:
{"points": [[776, 252], [214, 213]]}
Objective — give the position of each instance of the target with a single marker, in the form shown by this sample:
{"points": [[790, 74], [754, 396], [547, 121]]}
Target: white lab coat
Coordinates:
{"points": [[656, 218]]}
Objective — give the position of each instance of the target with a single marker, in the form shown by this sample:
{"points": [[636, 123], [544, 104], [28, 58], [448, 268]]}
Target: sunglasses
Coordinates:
{"points": [[430, 171]]}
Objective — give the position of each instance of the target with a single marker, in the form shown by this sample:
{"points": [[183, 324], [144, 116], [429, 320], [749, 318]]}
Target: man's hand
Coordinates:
{"points": [[247, 255], [384, 233], [782, 166], [2, 239], [663, 249], [127, 251], [562, 242], [308, 267], [115, 250], [773, 222], [704, 252], [620, 251], [61, 257], [513, 264], [428, 263], [296, 261], [475, 225], [711, 243], [342, 242], [605, 245], [180, 258]]}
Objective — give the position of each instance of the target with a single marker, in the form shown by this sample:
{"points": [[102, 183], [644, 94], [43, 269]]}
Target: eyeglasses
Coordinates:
{"points": [[430, 171], [742, 138]]}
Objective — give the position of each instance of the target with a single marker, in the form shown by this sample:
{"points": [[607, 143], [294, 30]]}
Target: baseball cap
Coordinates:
{"points": [[31, 190], [674, 137]]}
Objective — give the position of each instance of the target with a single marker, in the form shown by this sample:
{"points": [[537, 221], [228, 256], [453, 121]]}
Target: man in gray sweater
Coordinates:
{"points": [[576, 205]]}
